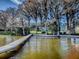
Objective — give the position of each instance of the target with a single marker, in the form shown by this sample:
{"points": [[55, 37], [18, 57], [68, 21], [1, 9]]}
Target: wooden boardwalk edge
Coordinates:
{"points": [[14, 44]]}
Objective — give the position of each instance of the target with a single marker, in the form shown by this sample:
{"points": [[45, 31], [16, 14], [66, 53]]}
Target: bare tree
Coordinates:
{"points": [[71, 8], [3, 20], [11, 14], [42, 8]]}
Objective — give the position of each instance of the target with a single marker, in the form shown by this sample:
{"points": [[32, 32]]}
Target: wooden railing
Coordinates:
{"points": [[14, 44]]}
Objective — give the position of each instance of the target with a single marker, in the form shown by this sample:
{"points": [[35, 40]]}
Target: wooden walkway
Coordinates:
{"points": [[13, 44]]}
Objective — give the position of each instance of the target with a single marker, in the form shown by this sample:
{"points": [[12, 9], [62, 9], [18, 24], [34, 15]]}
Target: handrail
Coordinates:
{"points": [[14, 44]]}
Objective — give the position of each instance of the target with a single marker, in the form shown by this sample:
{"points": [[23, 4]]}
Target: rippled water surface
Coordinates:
{"points": [[50, 48]]}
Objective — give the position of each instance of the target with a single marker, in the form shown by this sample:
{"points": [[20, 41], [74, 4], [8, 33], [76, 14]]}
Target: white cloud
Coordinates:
{"points": [[16, 1]]}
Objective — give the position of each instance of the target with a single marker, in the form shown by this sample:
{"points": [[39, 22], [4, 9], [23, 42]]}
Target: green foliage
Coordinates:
{"points": [[7, 33], [43, 32], [27, 31], [20, 31]]}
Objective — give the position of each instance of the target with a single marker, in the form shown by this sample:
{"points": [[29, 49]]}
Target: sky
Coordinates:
{"points": [[4, 4]]}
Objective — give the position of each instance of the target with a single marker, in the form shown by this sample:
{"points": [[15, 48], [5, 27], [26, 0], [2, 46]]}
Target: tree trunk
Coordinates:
{"points": [[46, 28], [16, 30], [28, 26], [23, 30], [11, 29], [58, 24], [36, 26], [67, 17], [5, 28], [41, 24]]}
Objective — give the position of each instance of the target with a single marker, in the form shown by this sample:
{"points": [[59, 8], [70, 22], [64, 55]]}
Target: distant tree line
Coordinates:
{"points": [[44, 10]]}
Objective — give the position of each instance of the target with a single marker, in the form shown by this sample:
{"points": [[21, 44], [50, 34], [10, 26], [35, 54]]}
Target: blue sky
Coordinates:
{"points": [[4, 4]]}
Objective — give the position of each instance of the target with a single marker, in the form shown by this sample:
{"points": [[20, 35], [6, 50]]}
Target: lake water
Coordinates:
{"points": [[49, 48], [6, 39]]}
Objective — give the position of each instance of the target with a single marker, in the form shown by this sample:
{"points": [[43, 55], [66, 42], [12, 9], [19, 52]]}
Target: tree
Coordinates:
{"points": [[65, 7], [42, 8], [3, 20], [71, 8], [11, 15]]}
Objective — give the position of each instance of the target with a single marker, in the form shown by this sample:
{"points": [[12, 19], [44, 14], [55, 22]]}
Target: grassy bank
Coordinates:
{"points": [[39, 32]]}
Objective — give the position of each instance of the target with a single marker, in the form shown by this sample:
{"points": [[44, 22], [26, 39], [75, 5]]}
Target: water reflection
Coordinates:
{"points": [[44, 48], [6, 39]]}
